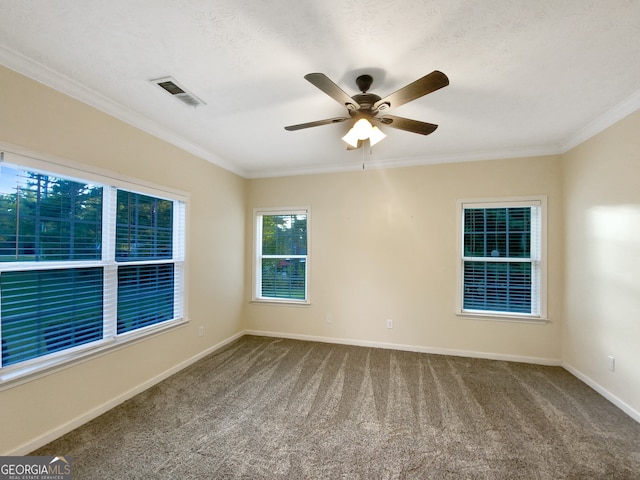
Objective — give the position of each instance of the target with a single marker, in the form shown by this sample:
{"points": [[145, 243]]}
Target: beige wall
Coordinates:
{"points": [[383, 245], [602, 315], [42, 120]]}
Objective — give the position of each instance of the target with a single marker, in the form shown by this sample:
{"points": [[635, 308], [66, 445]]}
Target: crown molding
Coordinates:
{"points": [[68, 86], [436, 159], [604, 121], [610, 117]]}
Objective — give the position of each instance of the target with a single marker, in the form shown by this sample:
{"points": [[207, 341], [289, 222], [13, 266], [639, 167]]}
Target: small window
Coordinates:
{"points": [[501, 259], [282, 262]]}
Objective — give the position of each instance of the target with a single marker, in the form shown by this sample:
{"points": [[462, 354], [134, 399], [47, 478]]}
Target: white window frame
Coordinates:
{"points": [[18, 158], [258, 213], [538, 257]]}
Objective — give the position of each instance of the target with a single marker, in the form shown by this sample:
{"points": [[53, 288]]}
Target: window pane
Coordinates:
{"points": [[144, 227], [284, 235], [46, 218], [145, 296], [44, 311], [284, 278], [502, 287], [497, 232], [64, 307]]}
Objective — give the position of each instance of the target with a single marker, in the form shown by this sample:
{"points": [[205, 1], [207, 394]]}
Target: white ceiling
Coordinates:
{"points": [[527, 78]]}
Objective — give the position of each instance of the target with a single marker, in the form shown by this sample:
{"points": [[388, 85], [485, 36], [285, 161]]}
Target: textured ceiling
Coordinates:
{"points": [[527, 78]]}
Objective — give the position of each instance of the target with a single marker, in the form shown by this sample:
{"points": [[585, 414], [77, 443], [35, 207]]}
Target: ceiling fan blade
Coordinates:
{"points": [[325, 84], [427, 84], [317, 123], [401, 123]]}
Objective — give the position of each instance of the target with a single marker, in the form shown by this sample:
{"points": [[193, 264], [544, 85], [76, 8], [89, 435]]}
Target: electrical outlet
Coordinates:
{"points": [[200, 331], [329, 318], [612, 362], [389, 323]]}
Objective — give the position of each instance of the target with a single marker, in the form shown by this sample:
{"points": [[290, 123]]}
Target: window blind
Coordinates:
{"points": [[44, 311], [82, 263], [501, 259], [145, 296]]}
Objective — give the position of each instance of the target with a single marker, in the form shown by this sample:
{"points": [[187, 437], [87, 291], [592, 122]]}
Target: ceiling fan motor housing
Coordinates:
{"points": [[364, 83], [364, 99], [366, 102]]}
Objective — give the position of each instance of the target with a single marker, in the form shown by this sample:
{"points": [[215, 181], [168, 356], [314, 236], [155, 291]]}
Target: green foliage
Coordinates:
{"points": [[284, 235], [47, 218], [144, 227]]}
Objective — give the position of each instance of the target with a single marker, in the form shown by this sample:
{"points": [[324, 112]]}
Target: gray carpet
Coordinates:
{"points": [[265, 408]]}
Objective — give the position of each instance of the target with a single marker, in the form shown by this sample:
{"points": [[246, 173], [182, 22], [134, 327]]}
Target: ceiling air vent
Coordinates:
{"points": [[179, 92]]}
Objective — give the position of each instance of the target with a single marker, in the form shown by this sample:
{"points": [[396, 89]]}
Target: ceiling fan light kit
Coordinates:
{"points": [[368, 110], [375, 136], [363, 130], [351, 138]]}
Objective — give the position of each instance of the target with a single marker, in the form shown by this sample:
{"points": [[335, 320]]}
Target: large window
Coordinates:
{"points": [[501, 258], [282, 265], [83, 264]]}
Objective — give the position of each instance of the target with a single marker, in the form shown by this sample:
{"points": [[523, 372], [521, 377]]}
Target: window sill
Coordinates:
{"points": [[496, 317], [281, 302], [32, 372]]}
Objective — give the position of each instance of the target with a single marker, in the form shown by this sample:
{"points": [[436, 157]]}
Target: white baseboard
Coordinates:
{"points": [[634, 414], [626, 408], [57, 432], [411, 348]]}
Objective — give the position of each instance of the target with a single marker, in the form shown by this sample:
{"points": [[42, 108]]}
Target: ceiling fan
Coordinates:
{"points": [[369, 110]]}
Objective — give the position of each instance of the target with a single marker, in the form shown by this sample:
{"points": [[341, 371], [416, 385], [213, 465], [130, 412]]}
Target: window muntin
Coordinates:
{"points": [[501, 259], [82, 263], [282, 255]]}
